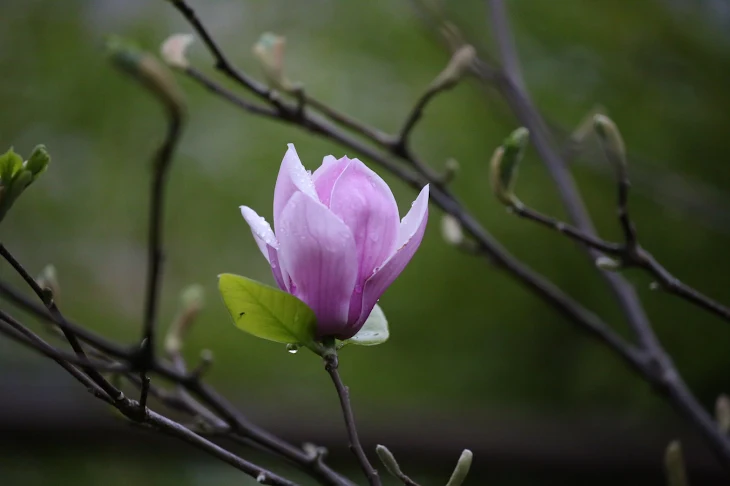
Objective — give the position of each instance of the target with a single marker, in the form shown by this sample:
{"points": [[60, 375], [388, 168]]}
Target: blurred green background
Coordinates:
{"points": [[474, 359]]}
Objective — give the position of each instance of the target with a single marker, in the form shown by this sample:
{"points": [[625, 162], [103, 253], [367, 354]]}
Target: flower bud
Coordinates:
{"points": [[462, 469], [388, 460], [191, 302], [611, 140], [48, 280], [607, 263], [456, 68], [270, 50], [451, 230], [674, 465], [150, 72], [174, 48], [504, 165]]}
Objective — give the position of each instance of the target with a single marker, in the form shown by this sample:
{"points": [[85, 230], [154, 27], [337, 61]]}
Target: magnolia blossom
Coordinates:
{"points": [[338, 241]]}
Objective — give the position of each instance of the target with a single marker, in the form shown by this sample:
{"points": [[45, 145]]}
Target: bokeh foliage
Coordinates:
{"points": [[463, 334]]}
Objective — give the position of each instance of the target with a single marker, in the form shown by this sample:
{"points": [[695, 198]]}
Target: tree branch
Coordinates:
{"points": [[96, 377], [668, 379], [19, 333]]}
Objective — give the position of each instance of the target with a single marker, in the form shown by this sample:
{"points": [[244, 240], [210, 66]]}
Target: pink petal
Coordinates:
{"points": [[266, 240], [410, 234], [293, 178], [325, 177], [364, 202], [317, 252]]}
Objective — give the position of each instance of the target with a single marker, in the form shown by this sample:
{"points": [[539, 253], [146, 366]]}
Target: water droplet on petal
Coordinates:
{"points": [[358, 289]]}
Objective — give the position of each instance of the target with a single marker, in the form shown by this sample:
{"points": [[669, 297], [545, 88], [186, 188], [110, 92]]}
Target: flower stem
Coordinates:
{"points": [[331, 364]]}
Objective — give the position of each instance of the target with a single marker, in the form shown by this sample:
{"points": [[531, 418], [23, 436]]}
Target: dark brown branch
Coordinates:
{"points": [[331, 365], [161, 165], [170, 427], [226, 94], [96, 377], [16, 331], [568, 230], [629, 255], [82, 333], [667, 378], [205, 393], [131, 409], [380, 138], [221, 62]]}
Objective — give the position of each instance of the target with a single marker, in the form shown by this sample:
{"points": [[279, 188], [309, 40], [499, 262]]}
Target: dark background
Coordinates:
{"points": [[474, 359]]}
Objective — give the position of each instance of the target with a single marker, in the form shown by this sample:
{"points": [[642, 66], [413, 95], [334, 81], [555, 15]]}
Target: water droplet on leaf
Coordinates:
{"points": [[292, 348]]}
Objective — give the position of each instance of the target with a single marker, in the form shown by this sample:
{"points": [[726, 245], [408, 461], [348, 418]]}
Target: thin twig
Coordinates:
{"points": [[667, 377], [629, 256], [331, 365], [371, 133], [225, 93], [113, 392], [568, 230], [19, 333], [131, 409], [149, 73], [221, 62], [82, 333], [22, 334]]}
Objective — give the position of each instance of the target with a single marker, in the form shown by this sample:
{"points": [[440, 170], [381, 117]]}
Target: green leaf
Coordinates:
{"points": [[10, 163], [374, 331], [267, 312]]}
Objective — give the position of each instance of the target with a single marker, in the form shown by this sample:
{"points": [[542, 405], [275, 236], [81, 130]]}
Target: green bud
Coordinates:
{"points": [[146, 69], [191, 302], [388, 460], [38, 161], [504, 165], [192, 297], [11, 191], [611, 140], [22, 179], [461, 470], [674, 465], [456, 68]]}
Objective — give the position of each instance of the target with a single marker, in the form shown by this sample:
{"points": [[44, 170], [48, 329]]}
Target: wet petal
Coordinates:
{"points": [[292, 178], [365, 203], [317, 252], [410, 235], [326, 175], [266, 241]]}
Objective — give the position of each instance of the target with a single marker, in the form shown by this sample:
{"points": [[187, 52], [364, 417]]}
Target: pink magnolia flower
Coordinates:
{"points": [[338, 241]]}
